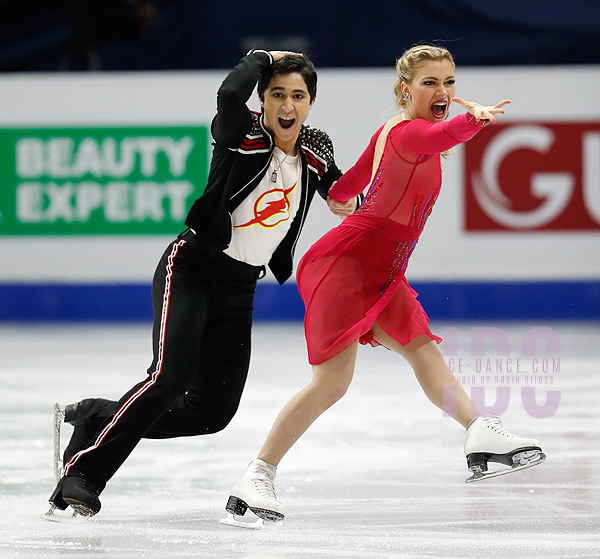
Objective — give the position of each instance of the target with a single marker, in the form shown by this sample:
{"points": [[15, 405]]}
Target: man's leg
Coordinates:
{"points": [[213, 397], [180, 315], [86, 417]]}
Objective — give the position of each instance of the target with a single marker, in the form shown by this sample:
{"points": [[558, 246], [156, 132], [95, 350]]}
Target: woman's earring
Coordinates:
{"points": [[406, 97]]}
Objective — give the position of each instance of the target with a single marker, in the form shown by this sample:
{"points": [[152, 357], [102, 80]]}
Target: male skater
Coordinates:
{"points": [[264, 171]]}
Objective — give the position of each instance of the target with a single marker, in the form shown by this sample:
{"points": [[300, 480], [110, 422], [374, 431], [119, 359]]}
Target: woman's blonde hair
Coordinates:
{"points": [[407, 65]]}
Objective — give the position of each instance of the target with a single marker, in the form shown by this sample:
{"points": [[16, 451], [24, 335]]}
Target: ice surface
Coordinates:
{"points": [[380, 475]]}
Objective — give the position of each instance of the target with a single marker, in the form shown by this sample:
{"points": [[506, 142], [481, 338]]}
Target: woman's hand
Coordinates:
{"points": [[479, 111]]}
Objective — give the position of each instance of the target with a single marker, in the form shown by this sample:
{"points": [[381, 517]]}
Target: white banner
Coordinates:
{"points": [[351, 105]]}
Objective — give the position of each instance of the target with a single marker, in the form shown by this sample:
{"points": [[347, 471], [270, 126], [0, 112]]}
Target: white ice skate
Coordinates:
{"points": [[255, 490], [488, 441]]}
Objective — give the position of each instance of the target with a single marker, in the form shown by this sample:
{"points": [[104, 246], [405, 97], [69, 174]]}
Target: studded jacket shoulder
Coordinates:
{"points": [[318, 149]]}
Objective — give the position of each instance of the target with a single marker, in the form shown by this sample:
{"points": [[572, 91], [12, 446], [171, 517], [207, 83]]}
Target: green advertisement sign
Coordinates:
{"points": [[100, 181]]}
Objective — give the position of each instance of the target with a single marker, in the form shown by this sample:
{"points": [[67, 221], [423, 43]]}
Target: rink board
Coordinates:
{"points": [[442, 301]]}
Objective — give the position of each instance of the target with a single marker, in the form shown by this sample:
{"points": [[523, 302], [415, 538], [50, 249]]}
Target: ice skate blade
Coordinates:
{"points": [[238, 507], [68, 516], [256, 524], [521, 462], [59, 416], [231, 520]]}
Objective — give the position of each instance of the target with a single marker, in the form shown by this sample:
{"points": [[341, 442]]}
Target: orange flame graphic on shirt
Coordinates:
{"points": [[271, 208]]}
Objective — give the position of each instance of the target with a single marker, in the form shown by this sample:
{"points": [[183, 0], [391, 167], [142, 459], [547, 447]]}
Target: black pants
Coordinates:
{"points": [[201, 342]]}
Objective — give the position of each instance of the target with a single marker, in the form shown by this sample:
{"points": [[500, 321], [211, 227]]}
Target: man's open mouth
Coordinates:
{"points": [[286, 122]]}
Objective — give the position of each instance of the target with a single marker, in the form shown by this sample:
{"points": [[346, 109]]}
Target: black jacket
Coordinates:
{"points": [[242, 151]]}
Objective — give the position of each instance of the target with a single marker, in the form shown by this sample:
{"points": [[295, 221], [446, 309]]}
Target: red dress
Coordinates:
{"points": [[354, 274]]}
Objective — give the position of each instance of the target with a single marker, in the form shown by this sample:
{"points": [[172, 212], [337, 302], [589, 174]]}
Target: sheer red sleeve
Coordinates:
{"points": [[420, 136], [357, 178]]}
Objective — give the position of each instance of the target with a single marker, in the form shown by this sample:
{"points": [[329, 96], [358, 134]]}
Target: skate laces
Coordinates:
{"points": [[263, 479], [495, 424]]}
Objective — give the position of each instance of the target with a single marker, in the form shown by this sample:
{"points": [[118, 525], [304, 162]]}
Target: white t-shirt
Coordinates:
{"points": [[263, 219]]}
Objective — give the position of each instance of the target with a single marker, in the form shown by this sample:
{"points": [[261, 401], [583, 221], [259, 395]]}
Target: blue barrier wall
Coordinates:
{"points": [[573, 300]]}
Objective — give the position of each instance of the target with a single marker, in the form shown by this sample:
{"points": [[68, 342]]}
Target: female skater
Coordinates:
{"points": [[353, 285]]}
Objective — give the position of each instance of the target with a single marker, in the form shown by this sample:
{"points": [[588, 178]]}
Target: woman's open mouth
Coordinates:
{"points": [[439, 108]]}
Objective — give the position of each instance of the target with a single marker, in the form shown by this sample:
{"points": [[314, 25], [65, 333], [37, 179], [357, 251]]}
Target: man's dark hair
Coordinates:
{"points": [[289, 64]]}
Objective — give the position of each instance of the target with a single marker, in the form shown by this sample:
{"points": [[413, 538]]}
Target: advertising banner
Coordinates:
{"points": [[534, 176], [100, 181]]}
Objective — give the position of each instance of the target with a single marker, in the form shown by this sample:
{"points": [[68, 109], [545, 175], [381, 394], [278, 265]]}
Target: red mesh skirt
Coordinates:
{"points": [[354, 276]]}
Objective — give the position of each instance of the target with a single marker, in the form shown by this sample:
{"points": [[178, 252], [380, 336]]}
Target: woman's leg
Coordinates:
{"points": [[330, 382], [438, 383]]}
